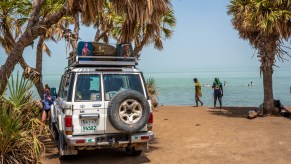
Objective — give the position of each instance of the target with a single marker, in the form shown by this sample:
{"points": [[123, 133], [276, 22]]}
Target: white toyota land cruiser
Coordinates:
{"points": [[102, 102]]}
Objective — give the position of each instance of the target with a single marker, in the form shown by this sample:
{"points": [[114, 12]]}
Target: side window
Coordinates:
{"points": [[71, 86], [61, 88], [88, 88], [66, 86], [135, 83]]}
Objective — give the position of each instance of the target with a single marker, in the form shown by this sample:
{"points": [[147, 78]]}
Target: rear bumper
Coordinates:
{"points": [[110, 140]]}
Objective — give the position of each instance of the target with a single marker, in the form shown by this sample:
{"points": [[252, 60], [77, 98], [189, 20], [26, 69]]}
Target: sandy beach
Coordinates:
{"points": [[186, 134]]}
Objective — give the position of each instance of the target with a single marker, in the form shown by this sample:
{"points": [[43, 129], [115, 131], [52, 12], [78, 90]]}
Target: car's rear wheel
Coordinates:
{"points": [[53, 129], [128, 111], [65, 151], [61, 146]]}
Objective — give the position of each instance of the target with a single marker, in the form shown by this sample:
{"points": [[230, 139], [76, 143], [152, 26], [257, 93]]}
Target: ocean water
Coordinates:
{"points": [[177, 88]]}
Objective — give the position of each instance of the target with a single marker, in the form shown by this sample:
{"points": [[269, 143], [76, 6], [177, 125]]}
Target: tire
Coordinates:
{"points": [[53, 129], [61, 146], [133, 152], [128, 111]]}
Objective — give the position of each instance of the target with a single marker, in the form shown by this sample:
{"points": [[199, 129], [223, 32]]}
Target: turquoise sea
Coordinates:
{"points": [[177, 88]]}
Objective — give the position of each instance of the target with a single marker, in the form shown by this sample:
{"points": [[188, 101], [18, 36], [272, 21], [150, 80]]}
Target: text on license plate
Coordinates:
{"points": [[88, 125]]}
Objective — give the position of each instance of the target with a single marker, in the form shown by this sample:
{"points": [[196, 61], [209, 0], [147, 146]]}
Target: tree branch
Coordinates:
{"points": [[35, 13]]}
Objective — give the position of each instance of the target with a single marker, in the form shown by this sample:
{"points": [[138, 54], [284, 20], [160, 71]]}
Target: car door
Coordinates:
{"points": [[88, 111], [64, 100], [115, 82]]}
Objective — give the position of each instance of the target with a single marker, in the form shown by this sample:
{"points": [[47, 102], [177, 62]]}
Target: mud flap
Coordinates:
{"points": [[143, 146], [69, 151]]}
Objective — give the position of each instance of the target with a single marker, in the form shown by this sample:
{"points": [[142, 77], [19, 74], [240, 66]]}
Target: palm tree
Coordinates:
{"points": [[150, 33], [54, 33], [265, 24], [13, 14], [136, 13], [110, 24], [12, 22]]}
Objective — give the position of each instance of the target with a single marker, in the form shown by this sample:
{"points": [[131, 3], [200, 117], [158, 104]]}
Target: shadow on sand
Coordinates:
{"points": [[240, 112], [116, 156]]}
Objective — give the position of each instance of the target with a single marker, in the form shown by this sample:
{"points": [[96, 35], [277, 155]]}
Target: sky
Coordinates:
{"points": [[203, 39]]}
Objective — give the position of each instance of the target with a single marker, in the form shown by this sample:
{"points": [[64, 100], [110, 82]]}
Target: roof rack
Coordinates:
{"points": [[93, 61]]}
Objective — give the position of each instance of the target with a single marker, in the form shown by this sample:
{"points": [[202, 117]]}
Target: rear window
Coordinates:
{"points": [[88, 88], [114, 83]]}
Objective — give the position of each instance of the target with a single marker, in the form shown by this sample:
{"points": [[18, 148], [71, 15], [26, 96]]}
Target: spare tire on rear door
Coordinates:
{"points": [[128, 111]]}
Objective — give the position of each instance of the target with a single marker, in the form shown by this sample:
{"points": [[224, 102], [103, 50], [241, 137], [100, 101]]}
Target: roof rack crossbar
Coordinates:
{"points": [[104, 61]]}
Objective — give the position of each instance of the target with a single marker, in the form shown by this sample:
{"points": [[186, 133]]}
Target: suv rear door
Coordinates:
{"points": [[89, 113], [115, 82]]}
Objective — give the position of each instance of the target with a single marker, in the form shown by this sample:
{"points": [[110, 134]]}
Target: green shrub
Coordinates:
{"points": [[19, 125]]}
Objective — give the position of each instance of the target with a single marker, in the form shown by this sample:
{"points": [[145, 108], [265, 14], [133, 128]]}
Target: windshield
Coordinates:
{"points": [[88, 87], [118, 82]]}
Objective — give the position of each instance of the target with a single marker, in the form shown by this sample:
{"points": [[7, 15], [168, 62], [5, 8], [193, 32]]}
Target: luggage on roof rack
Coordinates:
{"points": [[102, 54]]}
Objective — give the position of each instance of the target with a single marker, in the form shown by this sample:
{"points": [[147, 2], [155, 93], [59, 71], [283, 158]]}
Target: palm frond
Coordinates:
{"points": [[20, 96], [152, 87], [46, 50]]}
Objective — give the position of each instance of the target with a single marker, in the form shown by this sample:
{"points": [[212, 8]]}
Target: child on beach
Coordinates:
{"points": [[218, 92], [198, 92]]}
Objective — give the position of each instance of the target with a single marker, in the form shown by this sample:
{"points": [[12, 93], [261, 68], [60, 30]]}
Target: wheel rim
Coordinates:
{"points": [[130, 111]]}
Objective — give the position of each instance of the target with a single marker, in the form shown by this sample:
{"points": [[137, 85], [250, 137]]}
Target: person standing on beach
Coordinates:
{"points": [[218, 92], [47, 101], [198, 92]]}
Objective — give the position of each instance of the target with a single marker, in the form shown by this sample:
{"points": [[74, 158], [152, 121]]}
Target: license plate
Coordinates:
{"points": [[88, 125]]}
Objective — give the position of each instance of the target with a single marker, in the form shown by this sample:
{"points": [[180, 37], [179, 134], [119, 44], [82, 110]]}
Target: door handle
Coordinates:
{"points": [[96, 105]]}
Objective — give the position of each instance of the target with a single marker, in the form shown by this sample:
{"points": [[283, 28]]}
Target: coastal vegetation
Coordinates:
{"points": [[152, 90], [26, 22], [266, 24], [19, 124], [141, 22]]}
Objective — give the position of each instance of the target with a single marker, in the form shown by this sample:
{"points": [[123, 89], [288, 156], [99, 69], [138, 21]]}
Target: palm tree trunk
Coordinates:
{"points": [[74, 41], [8, 66], [268, 92], [22, 63], [39, 83], [99, 36], [267, 53]]}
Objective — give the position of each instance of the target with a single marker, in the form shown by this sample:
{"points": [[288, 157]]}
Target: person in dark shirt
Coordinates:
{"points": [[218, 92]]}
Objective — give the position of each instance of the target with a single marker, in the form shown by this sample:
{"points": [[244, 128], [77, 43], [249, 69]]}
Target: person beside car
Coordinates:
{"points": [[47, 101]]}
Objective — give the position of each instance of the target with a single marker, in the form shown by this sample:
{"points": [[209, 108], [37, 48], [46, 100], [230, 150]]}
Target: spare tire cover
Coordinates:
{"points": [[128, 111]]}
